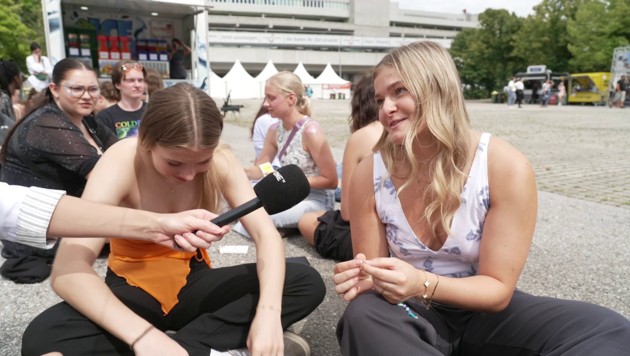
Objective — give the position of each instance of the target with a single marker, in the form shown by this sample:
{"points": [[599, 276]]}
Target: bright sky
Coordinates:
{"points": [[520, 7]]}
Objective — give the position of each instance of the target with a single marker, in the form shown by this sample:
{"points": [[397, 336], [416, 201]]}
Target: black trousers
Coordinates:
{"points": [[215, 310], [529, 326]]}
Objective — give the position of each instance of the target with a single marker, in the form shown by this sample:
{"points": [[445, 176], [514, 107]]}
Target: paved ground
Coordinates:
{"points": [[580, 248]]}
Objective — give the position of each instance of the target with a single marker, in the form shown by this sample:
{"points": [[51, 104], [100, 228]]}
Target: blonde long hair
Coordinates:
{"points": [[428, 72], [290, 83], [185, 116]]}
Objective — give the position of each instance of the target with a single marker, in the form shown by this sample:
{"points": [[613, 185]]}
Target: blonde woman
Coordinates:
{"points": [[176, 163], [442, 223], [296, 139]]}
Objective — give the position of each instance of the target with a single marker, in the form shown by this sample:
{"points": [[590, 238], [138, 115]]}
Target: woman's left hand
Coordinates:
{"points": [[265, 334], [394, 279]]}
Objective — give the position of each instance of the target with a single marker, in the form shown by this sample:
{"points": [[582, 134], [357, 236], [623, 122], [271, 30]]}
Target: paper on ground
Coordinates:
{"points": [[234, 249]]}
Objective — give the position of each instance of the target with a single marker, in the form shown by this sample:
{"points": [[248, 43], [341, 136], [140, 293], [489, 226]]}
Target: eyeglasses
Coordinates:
{"points": [[133, 65], [77, 91]]}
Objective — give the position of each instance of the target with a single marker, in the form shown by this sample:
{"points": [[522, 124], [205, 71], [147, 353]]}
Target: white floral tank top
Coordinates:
{"points": [[459, 256], [295, 153]]}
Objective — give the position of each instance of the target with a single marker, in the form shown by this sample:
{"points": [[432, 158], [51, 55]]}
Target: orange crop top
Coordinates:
{"points": [[156, 269]]}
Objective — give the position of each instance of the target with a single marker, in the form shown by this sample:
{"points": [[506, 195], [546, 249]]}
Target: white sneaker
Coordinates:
{"points": [[294, 345], [239, 352]]}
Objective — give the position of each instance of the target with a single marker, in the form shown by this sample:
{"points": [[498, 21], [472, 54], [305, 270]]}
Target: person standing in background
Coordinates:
{"points": [[511, 91], [176, 56], [519, 91], [562, 93], [123, 119], [39, 68]]}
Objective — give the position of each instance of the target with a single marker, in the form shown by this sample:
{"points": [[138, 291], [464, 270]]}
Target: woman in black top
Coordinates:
{"points": [[58, 143]]}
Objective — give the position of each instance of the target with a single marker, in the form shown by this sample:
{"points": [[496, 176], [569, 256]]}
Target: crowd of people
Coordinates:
{"points": [[434, 228]]}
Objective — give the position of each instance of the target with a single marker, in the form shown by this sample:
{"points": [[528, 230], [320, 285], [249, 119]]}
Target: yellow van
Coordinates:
{"points": [[589, 88]]}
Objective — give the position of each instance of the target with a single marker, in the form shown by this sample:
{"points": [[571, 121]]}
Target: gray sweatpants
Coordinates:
{"points": [[530, 325]]}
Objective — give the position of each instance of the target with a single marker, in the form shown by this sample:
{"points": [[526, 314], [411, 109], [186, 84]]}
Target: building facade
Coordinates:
{"points": [[351, 35]]}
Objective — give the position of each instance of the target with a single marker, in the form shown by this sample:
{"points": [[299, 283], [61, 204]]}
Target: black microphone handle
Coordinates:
{"points": [[237, 212]]}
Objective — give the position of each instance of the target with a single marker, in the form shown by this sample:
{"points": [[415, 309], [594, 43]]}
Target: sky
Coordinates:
{"points": [[520, 7]]}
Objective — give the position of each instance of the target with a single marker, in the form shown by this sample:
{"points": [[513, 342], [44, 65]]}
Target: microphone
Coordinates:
{"points": [[276, 192]]}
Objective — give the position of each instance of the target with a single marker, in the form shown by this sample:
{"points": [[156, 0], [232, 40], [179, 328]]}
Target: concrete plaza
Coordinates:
{"points": [[580, 249]]}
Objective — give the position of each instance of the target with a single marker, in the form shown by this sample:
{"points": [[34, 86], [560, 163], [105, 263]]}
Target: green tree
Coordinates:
{"points": [[598, 27], [544, 36], [485, 56], [20, 24]]}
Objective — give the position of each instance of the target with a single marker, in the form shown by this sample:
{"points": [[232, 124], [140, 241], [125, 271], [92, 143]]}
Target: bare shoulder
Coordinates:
{"points": [[224, 161], [508, 166]]}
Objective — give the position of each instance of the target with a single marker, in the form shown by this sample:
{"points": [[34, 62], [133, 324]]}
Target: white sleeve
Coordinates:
{"points": [[25, 213], [30, 63], [48, 67]]}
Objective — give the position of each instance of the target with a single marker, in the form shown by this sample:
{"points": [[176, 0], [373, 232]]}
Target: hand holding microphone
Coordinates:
{"points": [[277, 192]]}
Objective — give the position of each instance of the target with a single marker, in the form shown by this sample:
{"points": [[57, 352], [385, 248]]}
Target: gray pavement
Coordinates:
{"points": [[580, 249]]}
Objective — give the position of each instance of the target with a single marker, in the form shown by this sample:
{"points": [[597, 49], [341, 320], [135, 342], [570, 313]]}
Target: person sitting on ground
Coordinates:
{"points": [[108, 97], [297, 139], [260, 126], [153, 82], [10, 80], [329, 231], [123, 119], [57, 144], [176, 163], [39, 68], [442, 223]]}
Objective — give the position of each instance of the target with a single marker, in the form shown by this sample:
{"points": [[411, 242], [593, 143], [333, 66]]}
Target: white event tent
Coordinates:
{"points": [[301, 72], [239, 84], [330, 85], [269, 70]]}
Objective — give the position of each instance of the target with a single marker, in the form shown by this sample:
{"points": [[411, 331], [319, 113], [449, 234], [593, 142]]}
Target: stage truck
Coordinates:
{"points": [[104, 32]]}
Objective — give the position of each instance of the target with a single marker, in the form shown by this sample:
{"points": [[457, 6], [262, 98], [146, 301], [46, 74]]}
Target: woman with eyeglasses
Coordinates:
{"points": [[58, 142]]}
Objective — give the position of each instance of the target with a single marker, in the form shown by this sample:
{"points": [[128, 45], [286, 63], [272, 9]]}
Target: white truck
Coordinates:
{"points": [[620, 66], [106, 31]]}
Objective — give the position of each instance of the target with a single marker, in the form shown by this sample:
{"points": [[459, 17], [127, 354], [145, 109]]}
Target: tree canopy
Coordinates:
{"points": [[565, 35], [20, 24]]}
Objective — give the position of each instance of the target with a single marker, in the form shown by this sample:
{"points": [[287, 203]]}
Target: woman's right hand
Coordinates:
{"points": [[350, 279], [156, 342]]}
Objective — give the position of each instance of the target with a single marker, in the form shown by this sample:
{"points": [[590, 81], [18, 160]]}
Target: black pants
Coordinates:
{"points": [[215, 310], [529, 326], [519, 97]]}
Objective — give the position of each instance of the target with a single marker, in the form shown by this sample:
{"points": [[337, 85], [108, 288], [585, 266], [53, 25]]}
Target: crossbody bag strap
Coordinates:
{"points": [[295, 129]]}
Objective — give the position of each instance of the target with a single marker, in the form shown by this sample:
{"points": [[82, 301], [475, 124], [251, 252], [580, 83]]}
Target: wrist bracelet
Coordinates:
{"points": [[140, 337], [269, 307], [426, 298], [266, 168]]}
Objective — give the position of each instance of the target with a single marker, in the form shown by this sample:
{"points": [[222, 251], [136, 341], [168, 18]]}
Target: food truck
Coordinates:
{"points": [[104, 32], [533, 79], [588, 88]]}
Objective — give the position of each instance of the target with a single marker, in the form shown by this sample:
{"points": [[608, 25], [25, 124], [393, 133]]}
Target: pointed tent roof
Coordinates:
{"points": [[329, 76], [239, 84], [237, 72], [301, 72], [267, 72]]}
